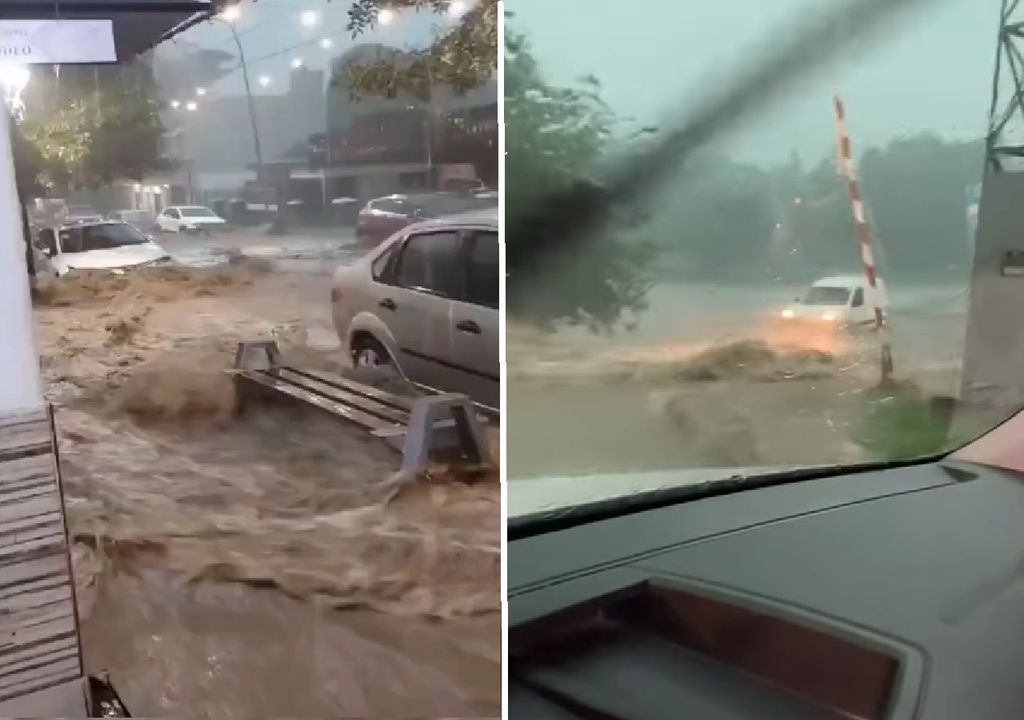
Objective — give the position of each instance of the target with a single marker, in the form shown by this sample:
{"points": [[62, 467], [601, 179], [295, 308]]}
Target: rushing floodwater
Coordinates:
{"points": [[627, 402], [242, 566]]}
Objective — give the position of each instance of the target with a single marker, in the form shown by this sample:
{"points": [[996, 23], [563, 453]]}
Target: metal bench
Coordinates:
{"points": [[418, 427]]}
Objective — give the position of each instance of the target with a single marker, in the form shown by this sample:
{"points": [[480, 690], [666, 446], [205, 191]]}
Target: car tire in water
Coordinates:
{"points": [[369, 354]]}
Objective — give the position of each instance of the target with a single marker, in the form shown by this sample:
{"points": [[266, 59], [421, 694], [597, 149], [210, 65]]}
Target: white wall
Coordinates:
{"points": [[20, 383]]}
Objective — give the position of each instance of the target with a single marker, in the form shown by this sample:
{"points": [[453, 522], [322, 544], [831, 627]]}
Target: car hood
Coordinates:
{"points": [[125, 256], [809, 312], [548, 496]]}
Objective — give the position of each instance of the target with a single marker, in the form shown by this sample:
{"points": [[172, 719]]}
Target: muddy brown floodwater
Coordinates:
{"points": [[763, 397], [263, 564]]}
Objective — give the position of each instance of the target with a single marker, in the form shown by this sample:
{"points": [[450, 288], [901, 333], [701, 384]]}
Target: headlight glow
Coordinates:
{"points": [[828, 317], [788, 313]]}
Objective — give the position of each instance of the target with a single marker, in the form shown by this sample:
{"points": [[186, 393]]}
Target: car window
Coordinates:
{"points": [[71, 240], [390, 205], [858, 298], [47, 241], [823, 295], [484, 272], [431, 262], [379, 266], [173, 214], [198, 212], [105, 237]]}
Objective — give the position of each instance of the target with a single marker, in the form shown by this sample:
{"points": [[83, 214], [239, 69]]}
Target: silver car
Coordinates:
{"points": [[425, 301]]}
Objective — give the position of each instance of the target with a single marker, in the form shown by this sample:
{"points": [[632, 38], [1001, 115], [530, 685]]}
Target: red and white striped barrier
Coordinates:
{"points": [[867, 255]]}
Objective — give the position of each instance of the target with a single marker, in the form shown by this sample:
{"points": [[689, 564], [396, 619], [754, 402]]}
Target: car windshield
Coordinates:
{"points": [[100, 237], [136, 216], [824, 295], [676, 174], [197, 212]]}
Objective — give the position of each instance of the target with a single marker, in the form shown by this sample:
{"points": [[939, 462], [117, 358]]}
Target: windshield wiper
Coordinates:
{"points": [[555, 224]]}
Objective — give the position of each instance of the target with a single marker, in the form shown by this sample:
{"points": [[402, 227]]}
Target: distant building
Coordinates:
{"points": [[375, 146], [214, 145]]}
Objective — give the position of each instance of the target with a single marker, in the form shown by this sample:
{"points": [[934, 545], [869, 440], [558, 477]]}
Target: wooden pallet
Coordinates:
{"points": [[39, 641]]}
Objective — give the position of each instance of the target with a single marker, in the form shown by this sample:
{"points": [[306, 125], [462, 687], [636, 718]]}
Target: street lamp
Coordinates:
{"points": [[309, 18], [200, 91], [264, 80], [326, 43], [296, 63], [228, 17], [175, 104], [191, 106], [231, 13]]}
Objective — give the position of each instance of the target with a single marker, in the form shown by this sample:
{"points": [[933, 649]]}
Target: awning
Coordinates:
{"points": [[138, 24]]}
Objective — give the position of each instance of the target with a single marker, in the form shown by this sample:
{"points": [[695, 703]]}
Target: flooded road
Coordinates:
{"points": [[710, 377], [238, 566]]}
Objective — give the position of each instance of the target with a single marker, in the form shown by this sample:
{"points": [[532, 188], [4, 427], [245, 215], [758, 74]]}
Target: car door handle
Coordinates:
{"points": [[468, 326], [388, 304]]}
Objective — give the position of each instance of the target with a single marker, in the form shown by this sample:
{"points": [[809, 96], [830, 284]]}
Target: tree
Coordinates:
{"points": [[555, 137], [96, 126], [916, 194], [462, 57]]}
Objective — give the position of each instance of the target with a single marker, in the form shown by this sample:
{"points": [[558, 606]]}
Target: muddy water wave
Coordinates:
{"points": [[212, 552]]}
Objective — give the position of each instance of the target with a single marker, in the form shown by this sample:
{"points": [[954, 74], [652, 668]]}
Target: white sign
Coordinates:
{"points": [[57, 42]]}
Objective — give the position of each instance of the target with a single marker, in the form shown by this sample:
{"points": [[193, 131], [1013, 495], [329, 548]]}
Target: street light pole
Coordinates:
{"points": [[248, 96]]}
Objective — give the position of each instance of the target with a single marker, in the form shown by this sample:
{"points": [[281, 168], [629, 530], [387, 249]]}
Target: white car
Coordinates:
{"points": [[425, 301], [841, 299], [192, 219], [97, 246]]}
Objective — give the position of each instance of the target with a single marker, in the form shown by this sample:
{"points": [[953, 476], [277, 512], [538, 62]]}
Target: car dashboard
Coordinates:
{"points": [[882, 595]]}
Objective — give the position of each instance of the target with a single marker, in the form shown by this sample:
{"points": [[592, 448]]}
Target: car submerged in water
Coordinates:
{"points": [[842, 300], [103, 245], [189, 219]]}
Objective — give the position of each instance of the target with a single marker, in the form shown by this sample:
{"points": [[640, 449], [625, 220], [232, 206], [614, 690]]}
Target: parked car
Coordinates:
{"points": [[103, 245], [382, 217], [425, 302], [840, 300], [191, 219], [82, 214], [142, 220]]}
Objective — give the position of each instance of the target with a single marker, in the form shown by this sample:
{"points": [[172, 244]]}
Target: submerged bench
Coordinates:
{"points": [[435, 422]]}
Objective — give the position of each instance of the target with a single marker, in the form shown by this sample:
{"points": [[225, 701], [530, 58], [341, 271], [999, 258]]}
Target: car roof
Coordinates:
{"points": [[485, 217], [850, 280], [90, 223]]}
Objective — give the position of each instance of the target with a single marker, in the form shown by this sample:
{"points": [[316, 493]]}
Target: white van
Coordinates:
{"points": [[840, 299]]}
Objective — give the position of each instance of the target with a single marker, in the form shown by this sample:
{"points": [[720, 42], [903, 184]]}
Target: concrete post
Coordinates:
{"points": [[20, 385]]}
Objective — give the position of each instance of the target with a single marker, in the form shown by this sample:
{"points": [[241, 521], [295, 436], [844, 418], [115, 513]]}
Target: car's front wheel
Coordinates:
{"points": [[369, 354]]}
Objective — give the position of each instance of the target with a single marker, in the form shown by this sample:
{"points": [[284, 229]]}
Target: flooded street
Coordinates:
{"points": [[709, 378], [262, 564]]}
